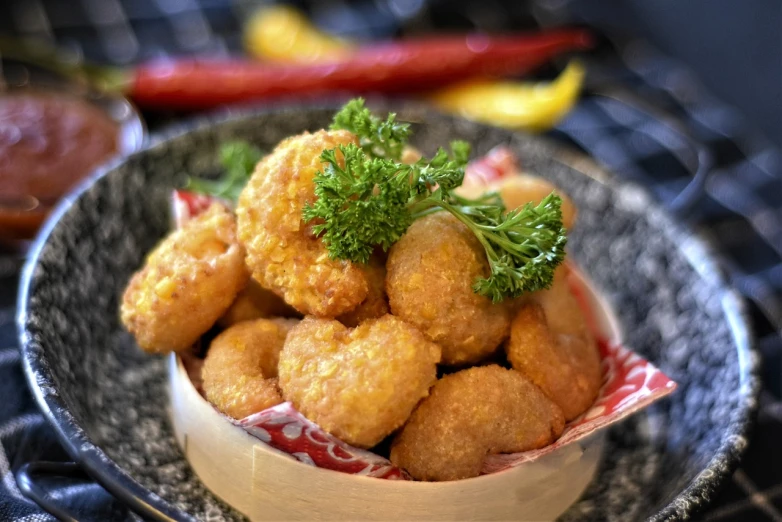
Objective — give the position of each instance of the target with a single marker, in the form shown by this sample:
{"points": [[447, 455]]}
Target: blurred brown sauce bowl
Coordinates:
{"points": [[50, 139], [48, 142]]}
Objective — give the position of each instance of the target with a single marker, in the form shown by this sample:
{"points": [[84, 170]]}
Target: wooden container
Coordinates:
{"points": [[266, 484]]}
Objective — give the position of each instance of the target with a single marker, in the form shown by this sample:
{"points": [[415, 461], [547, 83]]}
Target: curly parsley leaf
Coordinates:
{"points": [[363, 195], [380, 139]]}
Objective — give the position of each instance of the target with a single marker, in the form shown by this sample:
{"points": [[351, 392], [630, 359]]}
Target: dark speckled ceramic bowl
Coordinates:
{"points": [[107, 399]]}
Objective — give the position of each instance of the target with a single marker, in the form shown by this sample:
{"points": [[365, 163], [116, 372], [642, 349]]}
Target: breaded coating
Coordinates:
{"points": [[518, 190], [470, 414], [282, 252], [240, 369], [255, 302], [188, 281], [551, 344], [431, 270], [357, 384], [376, 303]]}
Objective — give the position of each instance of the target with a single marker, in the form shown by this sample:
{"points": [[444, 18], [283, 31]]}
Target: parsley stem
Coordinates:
{"points": [[472, 226]]}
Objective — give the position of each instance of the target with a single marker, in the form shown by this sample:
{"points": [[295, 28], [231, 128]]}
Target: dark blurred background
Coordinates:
{"points": [[734, 47]]}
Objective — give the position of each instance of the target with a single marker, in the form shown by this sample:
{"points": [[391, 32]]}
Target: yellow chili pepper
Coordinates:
{"points": [[284, 34], [516, 105]]}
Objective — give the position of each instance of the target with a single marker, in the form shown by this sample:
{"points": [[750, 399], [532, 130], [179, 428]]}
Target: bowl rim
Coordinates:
{"points": [[698, 493]]}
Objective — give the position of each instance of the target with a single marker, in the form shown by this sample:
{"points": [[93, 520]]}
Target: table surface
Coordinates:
{"points": [[739, 205]]}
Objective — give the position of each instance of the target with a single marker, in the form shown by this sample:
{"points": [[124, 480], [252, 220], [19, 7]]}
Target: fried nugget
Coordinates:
{"points": [[188, 281], [255, 302], [520, 189], [470, 414], [431, 270], [376, 303], [282, 251], [240, 370], [551, 344], [357, 384]]}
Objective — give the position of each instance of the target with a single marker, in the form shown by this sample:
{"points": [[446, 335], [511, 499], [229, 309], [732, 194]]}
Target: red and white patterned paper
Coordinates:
{"points": [[185, 205], [630, 382], [498, 163], [283, 428]]}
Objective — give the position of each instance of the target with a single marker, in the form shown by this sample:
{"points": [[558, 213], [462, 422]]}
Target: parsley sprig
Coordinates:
{"points": [[366, 198], [380, 139]]}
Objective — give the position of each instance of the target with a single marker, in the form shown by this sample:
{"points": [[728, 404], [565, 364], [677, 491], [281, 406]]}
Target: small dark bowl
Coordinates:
{"points": [[108, 402], [30, 210]]}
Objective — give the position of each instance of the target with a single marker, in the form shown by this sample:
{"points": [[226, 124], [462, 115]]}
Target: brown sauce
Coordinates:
{"points": [[48, 142]]}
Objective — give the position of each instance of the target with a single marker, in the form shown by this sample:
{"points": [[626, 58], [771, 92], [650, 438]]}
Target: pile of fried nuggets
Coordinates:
{"points": [[363, 362]]}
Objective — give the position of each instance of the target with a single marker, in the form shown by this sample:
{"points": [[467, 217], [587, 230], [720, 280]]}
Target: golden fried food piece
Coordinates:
{"points": [[410, 155], [357, 384], [518, 190], [376, 303], [431, 270], [470, 414], [255, 302], [551, 344], [282, 252], [240, 369], [189, 281]]}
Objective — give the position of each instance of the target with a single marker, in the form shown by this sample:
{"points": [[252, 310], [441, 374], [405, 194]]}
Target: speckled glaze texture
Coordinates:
{"points": [[108, 400]]}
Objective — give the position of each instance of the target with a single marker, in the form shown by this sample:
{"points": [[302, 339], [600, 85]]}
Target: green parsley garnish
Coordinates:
{"points": [[238, 159], [380, 139], [373, 199]]}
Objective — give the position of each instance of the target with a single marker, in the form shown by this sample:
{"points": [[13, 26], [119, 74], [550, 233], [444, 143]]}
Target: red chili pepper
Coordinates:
{"points": [[396, 67]]}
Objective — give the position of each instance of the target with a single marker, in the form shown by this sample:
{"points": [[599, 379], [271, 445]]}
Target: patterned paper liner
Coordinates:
{"points": [[283, 428], [630, 384]]}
